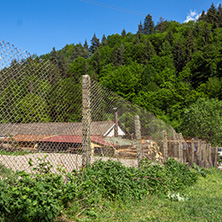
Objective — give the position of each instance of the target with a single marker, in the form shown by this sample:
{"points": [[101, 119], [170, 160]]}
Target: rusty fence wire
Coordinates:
{"points": [[46, 116]]}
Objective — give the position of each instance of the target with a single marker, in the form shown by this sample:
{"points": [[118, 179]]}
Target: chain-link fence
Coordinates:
{"points": [[73, 122]]}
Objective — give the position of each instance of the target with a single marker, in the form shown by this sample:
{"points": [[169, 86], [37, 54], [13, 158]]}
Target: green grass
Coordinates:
{"points": [[14, 153], [203, 204]]}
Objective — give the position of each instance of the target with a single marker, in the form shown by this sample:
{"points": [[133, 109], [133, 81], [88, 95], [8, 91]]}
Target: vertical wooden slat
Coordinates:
{"points": [[204, 147], [165, 146], [192, 152], [199, 152], [210, 155], [180, 148]]}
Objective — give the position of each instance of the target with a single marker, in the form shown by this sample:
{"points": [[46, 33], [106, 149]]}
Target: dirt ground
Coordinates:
{"points": [[67, 161]]}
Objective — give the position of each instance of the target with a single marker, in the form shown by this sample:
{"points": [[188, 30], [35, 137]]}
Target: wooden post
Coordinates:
{"points": [[138, 138], [215, 156], [116, 122], [175, 147], [192, 152], [204, 147], [165, 146], [86, 121], [210, 156], [180, 150], [199, 150]]}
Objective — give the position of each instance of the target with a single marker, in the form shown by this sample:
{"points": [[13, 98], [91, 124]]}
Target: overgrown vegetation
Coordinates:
{"points": [[201, 202], [45, 195]]}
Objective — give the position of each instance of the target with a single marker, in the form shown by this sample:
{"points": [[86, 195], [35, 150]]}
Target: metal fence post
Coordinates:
{"points": [[165, 147], [86, 121], [138, 138]]}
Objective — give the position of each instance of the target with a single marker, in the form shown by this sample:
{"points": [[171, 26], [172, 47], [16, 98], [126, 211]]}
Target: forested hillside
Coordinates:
{"points": [[173, 70]]}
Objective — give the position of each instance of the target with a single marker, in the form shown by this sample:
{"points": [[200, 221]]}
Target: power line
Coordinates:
{"points": [[112, 7], [129, 11]]}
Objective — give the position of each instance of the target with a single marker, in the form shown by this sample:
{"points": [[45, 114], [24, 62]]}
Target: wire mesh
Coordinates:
{"points": [[121, 142], [41, 113]]}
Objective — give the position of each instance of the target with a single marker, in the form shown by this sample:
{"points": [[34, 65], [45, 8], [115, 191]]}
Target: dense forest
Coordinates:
{"points": [[171, 69]]}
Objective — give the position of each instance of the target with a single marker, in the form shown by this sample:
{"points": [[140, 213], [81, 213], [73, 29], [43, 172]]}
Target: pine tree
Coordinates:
{"points": [[96, 59], [148, 25], [53, 56], [219, 16], [118, 55], [140, 28], [123, 33], [202, 16], [189, 46], [196, 30], [62, 64], [94, 44], [211, 16], [139, 32], [86, 50], [205, 35], [178, 56], [86, 46], [148, 51], [161, 25], [104, 40]]}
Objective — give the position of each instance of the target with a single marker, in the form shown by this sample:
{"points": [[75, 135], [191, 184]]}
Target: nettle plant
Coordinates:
{"points": [[36, 197]]}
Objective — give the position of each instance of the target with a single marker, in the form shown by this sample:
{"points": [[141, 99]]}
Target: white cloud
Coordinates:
{"points": [[192, 16]]}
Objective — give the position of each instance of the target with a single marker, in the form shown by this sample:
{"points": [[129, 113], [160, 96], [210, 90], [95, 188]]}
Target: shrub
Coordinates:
{"points": [[44, 195]]}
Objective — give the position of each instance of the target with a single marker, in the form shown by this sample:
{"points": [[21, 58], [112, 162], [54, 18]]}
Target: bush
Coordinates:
{"points": [[38, 197], [44, 195]]}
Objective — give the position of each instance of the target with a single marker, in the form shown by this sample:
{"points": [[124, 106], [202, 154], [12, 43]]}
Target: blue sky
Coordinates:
{"points": [[38, 26]]}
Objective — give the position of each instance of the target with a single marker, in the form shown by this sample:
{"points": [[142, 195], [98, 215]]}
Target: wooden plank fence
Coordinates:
{"points": [[192, 150]]}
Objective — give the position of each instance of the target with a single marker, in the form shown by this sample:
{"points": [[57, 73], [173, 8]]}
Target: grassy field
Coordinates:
{"points": [[203, 202]]}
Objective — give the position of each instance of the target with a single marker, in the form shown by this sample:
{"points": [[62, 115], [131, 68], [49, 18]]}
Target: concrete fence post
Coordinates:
{"points": [[86, 120], [180, 150], [138, 138], [165, 146]]}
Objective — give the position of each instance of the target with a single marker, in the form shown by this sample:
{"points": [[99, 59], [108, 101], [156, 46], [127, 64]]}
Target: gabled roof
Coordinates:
{"points": [[55, 128]]}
